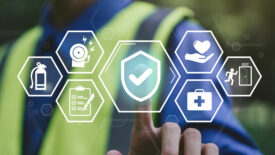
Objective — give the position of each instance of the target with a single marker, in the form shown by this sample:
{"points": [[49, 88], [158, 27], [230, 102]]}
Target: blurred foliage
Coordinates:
{"points": [[16, 16], [259, 120], [243, 27]]}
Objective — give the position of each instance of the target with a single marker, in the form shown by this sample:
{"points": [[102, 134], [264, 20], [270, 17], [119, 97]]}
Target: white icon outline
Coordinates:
{"points": [[79, 62], [87, 103], [254, 87], [139, 80], [190, 102], [230, 74], [80, 121], [43, 107], [199, 121], [41, 69], [140, 99], [201, 47], [39, 57], [98, 60], [105, 68], [250, 77], [217, 43]]}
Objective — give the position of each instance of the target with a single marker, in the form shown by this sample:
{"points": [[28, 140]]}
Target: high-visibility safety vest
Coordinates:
{"points": [[62, 137]]}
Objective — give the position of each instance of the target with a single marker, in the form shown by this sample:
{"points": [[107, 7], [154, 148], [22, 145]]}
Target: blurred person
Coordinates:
{"points": [[23, 131]]}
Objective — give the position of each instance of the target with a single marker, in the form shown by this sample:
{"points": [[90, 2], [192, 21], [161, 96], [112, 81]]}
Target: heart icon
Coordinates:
{"points": [[201, 47]]}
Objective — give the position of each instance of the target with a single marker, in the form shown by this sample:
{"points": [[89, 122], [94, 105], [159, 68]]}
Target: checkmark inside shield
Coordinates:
{"points": [[141, 78]]}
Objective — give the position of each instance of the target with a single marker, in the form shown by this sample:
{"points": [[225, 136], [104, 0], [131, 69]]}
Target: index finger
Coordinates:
{"points": [[143, 116], [143, 108]]}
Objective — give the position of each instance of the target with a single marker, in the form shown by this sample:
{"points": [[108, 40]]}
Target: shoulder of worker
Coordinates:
{"points": [[180, 29], [4, 48], [1, 52], [167, 15], [29, 37]]}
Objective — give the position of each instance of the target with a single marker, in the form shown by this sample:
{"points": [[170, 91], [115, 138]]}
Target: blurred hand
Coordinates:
{"points": [[166, 140]]}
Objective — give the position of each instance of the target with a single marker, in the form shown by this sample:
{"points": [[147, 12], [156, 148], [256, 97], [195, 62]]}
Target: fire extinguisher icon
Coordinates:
{"points": [[40, 77]]}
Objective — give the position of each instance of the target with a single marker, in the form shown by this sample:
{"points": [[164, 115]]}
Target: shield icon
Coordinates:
{"points": [[140, 75]]}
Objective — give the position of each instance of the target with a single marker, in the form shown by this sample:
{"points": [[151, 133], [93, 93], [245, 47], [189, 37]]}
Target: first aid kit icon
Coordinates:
{"points": [[199, 100]]}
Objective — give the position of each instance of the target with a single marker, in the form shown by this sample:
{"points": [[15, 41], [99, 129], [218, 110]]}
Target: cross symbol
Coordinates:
{"points": [[199, 101]]}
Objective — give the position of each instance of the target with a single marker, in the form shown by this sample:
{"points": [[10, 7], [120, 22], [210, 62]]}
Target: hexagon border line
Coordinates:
{"points": [[44, 114], [240, 57], [199, 31], [40, 57], [199, 121], [81, 31], [114, 53], [79, 121]]}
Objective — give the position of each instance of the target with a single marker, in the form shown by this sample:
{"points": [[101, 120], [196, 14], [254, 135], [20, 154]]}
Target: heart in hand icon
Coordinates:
{"points": [[201, 47]]}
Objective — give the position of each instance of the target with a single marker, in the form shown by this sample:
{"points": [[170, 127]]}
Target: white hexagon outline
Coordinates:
{"points": [[199, 121], [140, 99], [44, 114], [40, 57], [239, 57], [199, 31], [79, 121], [114, 53], [79, 31]]}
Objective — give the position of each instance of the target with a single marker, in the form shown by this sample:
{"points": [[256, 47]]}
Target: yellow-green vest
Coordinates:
{"points": [[62, 137]]}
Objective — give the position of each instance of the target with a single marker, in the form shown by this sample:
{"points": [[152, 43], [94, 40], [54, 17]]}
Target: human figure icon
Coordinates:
{"points": [[230, 75]]}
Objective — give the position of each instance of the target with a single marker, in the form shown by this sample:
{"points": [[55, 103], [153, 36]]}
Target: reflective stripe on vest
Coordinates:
{"points": [[4, 50], [91, 138], [12, 95], [62, 137]]}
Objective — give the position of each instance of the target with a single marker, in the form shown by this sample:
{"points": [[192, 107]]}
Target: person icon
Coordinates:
{"points": [[230, 75]]}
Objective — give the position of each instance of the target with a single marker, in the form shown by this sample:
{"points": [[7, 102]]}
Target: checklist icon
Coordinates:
{"points": [[80, 99]]}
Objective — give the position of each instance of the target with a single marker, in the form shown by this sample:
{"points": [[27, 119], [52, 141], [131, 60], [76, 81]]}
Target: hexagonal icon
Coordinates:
{"points": [[79, 100], [80, 52], [198, 52], [35, 79], [46, 109], [138, 70], [172, 118], [199, 100], [239, 76]]}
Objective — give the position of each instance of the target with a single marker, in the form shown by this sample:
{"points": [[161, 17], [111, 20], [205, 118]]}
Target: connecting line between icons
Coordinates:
{"points": [[116, 54], [174, 76]]}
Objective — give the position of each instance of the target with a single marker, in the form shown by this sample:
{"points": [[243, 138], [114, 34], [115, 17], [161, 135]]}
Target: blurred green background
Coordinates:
{"points": [[243, 27]]}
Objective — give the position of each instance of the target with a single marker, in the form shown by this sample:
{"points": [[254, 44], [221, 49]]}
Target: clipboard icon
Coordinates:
{"points": [[80, 99]]}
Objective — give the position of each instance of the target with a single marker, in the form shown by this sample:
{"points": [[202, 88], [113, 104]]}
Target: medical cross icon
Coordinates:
{"points": [[199, 101]]}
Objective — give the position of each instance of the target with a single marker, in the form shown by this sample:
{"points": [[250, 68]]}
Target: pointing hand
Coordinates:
{"points": [[166, 140]]}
